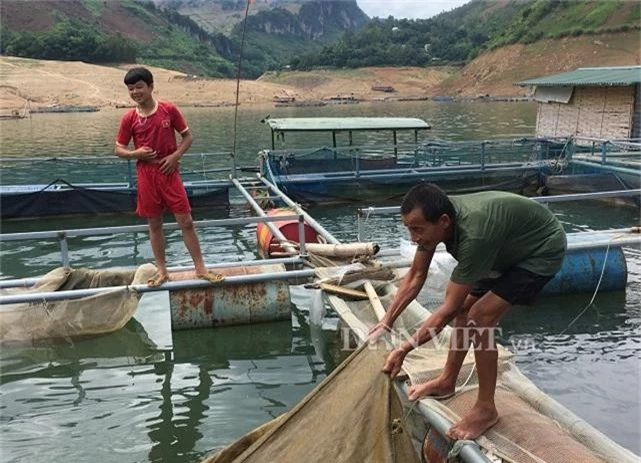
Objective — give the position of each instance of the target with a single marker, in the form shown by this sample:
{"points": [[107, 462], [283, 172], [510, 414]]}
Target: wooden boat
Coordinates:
{"points": [[341, 99], [383, 88], [339, 174]]}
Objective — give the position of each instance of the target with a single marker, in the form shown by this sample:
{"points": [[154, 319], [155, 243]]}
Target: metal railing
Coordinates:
{"points": [[63, 235]]}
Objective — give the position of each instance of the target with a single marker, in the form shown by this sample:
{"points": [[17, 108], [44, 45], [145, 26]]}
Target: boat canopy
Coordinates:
{"points": [[336, 124]]}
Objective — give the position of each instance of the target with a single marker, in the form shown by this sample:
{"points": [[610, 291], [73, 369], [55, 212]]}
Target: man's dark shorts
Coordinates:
{"points": [[516, 285]]}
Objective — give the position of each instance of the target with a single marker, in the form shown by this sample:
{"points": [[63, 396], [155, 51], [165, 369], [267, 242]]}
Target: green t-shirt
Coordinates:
{"points": [[496, 230]]}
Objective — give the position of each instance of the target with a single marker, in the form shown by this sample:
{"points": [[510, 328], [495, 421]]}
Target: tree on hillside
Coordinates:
{"points": [[69, 40]]}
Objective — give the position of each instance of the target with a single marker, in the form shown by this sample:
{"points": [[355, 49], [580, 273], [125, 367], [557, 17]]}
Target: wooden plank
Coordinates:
{"points": [[375, 301], [342, 291]]}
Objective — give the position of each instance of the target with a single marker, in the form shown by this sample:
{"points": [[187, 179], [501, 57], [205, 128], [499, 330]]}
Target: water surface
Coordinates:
{"points": [[119, 397]]}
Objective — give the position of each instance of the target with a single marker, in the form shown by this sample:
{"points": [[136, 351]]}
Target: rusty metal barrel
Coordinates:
{"points": [[230, 304]]}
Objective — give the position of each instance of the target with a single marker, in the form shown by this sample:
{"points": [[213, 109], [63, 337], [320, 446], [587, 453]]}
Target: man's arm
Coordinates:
{"points": [[410, 287], [455, 295]]}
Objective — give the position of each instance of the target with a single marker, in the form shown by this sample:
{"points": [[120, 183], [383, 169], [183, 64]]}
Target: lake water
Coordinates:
{"points": [[119, 397]]}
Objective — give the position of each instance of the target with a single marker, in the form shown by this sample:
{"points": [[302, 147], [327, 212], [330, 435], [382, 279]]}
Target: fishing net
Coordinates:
{"points": [[100, 313], [533, 428], [354, 415]]}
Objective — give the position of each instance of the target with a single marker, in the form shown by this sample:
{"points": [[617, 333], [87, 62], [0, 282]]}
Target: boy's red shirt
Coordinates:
{"points": [[156, 130]]}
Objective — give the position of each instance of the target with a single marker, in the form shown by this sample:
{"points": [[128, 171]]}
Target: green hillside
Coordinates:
{"points": [[159, 34], [203, 37], [462, 34]]}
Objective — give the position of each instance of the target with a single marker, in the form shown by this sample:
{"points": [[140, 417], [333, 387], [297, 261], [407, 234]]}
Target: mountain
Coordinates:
{"points": [[165, 34], [276, 29], [460, 35]]}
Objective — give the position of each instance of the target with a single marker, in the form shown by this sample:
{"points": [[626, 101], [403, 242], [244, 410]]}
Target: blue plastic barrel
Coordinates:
{"points": [[582, 269]]}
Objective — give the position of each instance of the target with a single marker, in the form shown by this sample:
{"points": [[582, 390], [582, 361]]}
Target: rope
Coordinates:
{"points": [[240, 60], [596, 290]]}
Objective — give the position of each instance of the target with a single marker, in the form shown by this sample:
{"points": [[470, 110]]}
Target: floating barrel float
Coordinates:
{"points": [[230, 304], [268, 245], [588, 262], [583, 267]]}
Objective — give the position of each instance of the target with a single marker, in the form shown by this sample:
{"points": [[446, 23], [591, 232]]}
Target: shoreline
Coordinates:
{"points": [[65, 109]]}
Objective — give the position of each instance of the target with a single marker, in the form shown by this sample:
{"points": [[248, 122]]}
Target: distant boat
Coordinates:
{"points": [[66, 109], [383, 88], [17, 113], [13, 115], [341, 99], [290, 101], [284, 99]]}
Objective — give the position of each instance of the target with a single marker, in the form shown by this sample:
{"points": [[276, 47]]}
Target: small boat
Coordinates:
{"points": [[385, 170], [66, 109], [341, 99], [21, 113], [383, 88], [284, 99]]}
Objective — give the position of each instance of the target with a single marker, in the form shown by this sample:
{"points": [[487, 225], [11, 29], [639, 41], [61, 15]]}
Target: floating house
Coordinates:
{"points": [[589, 103]]}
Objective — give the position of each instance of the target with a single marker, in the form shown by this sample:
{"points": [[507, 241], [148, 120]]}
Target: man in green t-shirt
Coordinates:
{"points": [[507, 247]]}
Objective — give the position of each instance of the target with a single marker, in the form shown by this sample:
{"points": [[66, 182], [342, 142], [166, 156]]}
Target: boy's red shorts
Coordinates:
{"points": [[158, 192]]}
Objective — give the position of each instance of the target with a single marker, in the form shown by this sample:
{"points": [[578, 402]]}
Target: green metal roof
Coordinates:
{"points": [[328, 124], [584, 77]]}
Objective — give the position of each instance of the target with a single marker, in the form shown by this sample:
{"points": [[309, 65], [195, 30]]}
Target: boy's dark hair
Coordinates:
{"points": [[430, 199], [137, 74]]}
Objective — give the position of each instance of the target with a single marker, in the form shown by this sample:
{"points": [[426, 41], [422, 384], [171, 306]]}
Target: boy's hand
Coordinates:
{"points": [[145, 153], [168, 164]]}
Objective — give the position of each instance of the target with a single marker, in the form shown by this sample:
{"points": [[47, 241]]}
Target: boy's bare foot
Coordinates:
{"points": [[210, 276], [436, 388], [475, 423], [158, 279]]}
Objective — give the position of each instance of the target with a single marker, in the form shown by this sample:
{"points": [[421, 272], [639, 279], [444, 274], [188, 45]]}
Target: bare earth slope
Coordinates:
{"points": [[46, 83]]}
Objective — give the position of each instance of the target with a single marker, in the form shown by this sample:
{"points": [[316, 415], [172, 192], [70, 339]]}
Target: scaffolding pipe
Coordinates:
{"points": [[170, 285], [299, 210], [139, 228], [606, 167], [361, 212], [394, 173], [28, 282]]}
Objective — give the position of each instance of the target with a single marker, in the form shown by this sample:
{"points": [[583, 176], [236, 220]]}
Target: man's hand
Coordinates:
{"points": [[378, 330], [144, 153], [394, 362], [169, 164]]}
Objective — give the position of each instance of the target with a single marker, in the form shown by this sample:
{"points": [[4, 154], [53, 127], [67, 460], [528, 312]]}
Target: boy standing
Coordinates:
{"points": [[152, 125]]}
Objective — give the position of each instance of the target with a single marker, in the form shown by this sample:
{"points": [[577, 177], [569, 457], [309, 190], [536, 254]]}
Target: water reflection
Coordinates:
{"points": [[213, 386]]}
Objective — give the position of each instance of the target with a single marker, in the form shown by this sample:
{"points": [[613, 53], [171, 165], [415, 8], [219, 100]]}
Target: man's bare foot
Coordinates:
{"points": [[436, 388], [476, 422]]}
